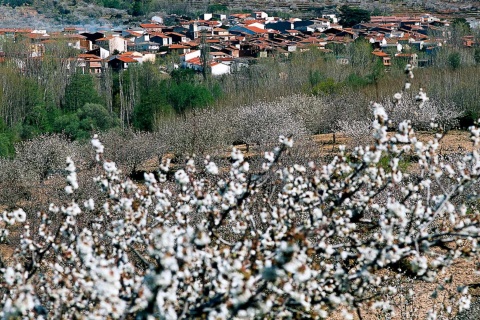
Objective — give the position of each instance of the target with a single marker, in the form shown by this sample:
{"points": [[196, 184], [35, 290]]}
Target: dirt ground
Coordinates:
{"points": [[453, 142], [462, 273]]}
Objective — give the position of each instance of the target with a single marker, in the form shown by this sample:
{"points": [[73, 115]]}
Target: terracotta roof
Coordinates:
{"points": [[159, 34], [196, 61], [256, 29], [178, 46], [150, 25], [88, 56], [404, 55], [105, 38], [380, 53], [126, 59], [240, 15], [251, 21], [192, 43], [133, 33], [175, 34], [25, 30], [37, 36], [131, 53]]}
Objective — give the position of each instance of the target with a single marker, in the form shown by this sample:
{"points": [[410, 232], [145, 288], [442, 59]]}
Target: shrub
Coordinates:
{"points": [[358, 131], [327, 86], [443, 113]]}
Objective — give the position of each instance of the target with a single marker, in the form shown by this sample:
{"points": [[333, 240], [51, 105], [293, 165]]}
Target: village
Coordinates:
{"points": [[236, 39]]}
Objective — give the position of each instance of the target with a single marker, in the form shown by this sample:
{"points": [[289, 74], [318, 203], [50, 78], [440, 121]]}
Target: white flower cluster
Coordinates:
{"points": [[71, 177], [230, 247], [279, 241]]}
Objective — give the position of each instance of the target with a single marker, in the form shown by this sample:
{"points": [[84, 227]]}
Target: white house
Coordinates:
{"points": [[207, 16], [219, 68], [331, 17], [220, 16], [103, 53], [260, 15], [113, 43], [190, 55], [321, 24], [161, 39], [192, 60], [157, 19]]}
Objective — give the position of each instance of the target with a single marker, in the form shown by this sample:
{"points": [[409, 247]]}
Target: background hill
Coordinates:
{"points": [[49, 13]]}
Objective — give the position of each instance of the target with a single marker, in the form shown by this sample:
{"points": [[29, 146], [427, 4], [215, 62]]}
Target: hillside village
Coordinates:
{"points": [[235, 39]]}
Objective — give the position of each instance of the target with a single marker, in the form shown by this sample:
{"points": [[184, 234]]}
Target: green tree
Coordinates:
{"points": [[359, 54], [205, 56], [7, 138], [153, 105], [459, 28], [90, 118], [356, 81], [79, 91], [314, 77], [461, 24], [183, 75], [38, 121], [377, 73], [454, 60], [139, 7], [351, 16], [476, 55], [217, 7], [187, 96], [337, 48]]}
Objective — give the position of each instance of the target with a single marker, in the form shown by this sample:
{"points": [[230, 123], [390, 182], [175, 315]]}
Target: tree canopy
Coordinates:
{"points": [[351, 16]]}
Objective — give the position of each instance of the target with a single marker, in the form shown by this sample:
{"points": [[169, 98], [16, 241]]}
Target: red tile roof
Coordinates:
{"points": [[178, 46], [88, 56], [150, 25], [196, 61], [126, 59], [380, 53], [251, 21], [159, 34], [37, 36], [9, 30], [133, 33], [256, 29]]}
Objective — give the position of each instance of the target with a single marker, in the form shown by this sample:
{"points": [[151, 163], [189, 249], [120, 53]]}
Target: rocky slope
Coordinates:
{"points": [[454, 5]]}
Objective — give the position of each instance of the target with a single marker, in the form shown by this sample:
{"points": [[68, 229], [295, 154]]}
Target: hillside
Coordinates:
{"points": [[454, 5], [52, 15], [45, 14]]}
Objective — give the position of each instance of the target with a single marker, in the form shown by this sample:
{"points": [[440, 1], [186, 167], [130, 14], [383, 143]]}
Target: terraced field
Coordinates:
{"points": [[395, 5]]}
